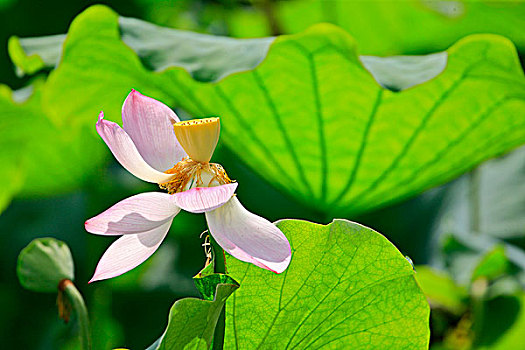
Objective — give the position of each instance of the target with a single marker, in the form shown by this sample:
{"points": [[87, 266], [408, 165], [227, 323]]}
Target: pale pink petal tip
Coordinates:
{"points": [[136, 214], [148, 123], [125, 151], [249, 237], [100, 116], [132, 94], [203, 199], [128, 252]]}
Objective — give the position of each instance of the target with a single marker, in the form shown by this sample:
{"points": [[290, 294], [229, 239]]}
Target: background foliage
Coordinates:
{"points": [[406, 135]]}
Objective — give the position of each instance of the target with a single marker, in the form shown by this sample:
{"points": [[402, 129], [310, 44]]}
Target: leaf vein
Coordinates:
{"points": [[260, 83], [319, 116], [454, 143], [247, 128], [364, 143], [426, 118]]}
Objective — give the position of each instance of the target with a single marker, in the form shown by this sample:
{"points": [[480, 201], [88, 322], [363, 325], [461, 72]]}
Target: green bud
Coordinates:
{"points": [[43, 264]]}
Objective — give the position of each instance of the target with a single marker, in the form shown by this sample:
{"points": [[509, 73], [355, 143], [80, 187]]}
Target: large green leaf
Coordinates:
{"points": [[37, 156], [346, 287], [367, 299], [12, 147], [310, 119]]}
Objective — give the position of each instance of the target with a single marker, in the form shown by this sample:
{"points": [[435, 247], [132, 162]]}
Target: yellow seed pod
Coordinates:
{"points": [[198, 137]]}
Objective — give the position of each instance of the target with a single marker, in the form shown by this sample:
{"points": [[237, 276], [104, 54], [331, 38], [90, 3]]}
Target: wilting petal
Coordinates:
{"points": [[128, 252], [249, 237], [202, 199], [149, 123], [136, 214], [126, 153]]}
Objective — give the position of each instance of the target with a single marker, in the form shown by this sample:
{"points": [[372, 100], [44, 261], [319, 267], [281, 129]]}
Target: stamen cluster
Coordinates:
{"points": [[190, 173]]}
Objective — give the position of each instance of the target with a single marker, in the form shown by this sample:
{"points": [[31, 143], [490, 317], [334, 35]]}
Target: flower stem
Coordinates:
{"points": [[268, 8], [79, 307], [219, 266], [474, 200], [219, 260]]}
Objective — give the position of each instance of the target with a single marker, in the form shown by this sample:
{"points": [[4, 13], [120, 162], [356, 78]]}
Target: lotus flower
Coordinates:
{"points": [[155, 146]]}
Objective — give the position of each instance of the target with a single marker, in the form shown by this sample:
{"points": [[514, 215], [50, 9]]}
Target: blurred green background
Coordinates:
{"points": [[473, 234]]}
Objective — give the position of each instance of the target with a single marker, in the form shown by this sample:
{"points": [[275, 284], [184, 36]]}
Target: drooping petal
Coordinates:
{"points": [[126, 153], [128, 252], [136, 214], [149, 123], [203, 199], [249, 237]]}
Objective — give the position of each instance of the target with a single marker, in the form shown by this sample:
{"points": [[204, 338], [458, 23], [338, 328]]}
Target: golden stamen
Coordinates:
{"points": [[198, 137], [190, 173]]}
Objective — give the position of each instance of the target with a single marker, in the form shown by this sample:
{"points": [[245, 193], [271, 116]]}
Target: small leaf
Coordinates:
{"points": [[192, 321], [492, 265], [347, 287], [441, 290], [207, 284], [43, 264], [507, 332]]}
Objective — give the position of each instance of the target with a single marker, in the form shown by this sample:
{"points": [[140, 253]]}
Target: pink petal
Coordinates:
{"points": [[249, 237], [149, 123], [203, 199], [136, 214], [128, 252], [126, 153]]}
